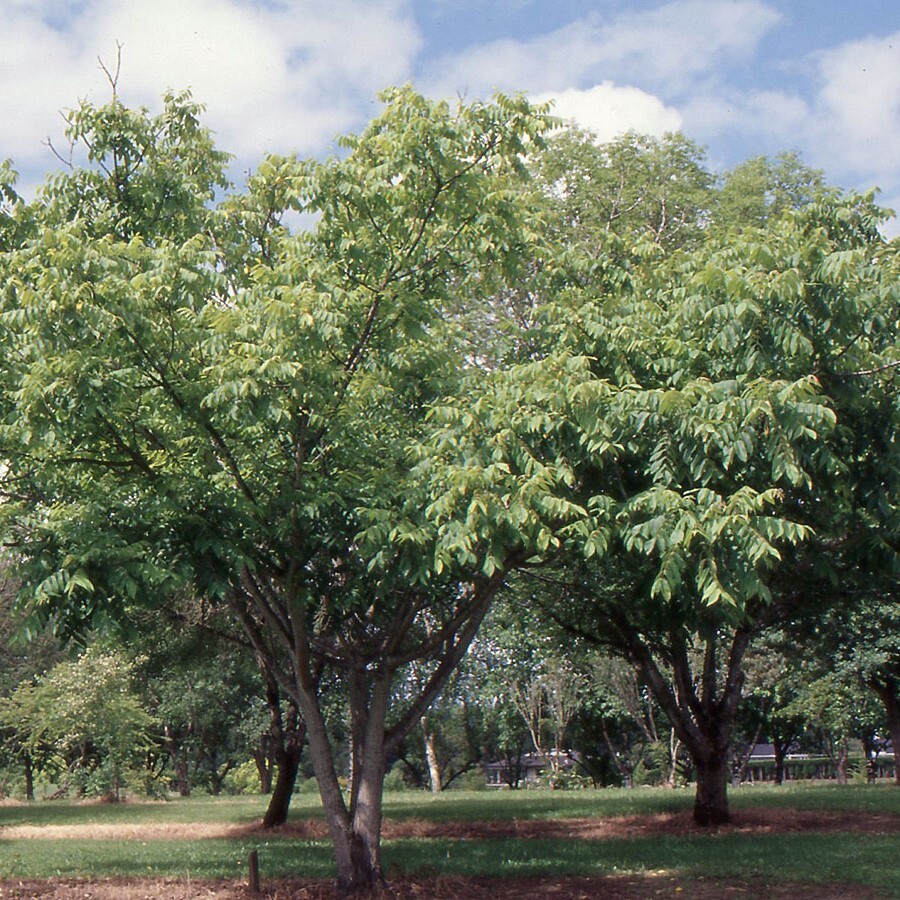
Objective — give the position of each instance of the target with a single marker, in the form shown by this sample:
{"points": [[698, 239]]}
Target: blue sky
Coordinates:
{"points": [[741, 77]]}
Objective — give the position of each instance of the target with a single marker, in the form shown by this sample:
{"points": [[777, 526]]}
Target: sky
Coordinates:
{"points": [[740, 77]]}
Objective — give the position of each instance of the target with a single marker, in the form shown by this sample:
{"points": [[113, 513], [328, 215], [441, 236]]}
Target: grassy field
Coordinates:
{"points": [[861, 858]]}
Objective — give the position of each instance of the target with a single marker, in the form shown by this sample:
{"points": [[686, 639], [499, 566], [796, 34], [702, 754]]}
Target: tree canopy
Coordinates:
{"points": [[198, 398], [479, 355]]}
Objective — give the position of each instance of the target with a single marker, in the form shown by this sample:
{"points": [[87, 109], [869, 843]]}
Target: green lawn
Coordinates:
{"points": [[847, 857]]}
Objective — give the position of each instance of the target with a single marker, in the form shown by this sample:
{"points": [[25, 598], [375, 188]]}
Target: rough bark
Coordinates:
{"points": [[286, 768], [285, 738], [711, 798]]}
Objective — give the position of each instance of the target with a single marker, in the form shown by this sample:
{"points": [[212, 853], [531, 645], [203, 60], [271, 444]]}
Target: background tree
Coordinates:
{"points": [[24, 655], [858, 644], [451, 740], [773, 668], [760, 190], [89, 713], [638, 188], [621, 721]]}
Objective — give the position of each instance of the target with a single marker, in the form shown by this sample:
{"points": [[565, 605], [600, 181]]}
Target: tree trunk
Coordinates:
{"points": [[870, 754], [286, 740], [711, 800], [288, 750], [741, 764], [434, 769], [354, 823], [674, 749], [286, 769], [702, 719], [841, 758], [264, 767], [626, 770], [779, 749], [29, 777], [178, 756], [366, 832], [355, 831]]}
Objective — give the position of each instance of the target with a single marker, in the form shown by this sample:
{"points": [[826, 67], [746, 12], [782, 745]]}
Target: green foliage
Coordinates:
{"points": [[203, 402], [690, 431], [395, 780], [761, 190], [638, 188], [88, 715], [243, 779]]}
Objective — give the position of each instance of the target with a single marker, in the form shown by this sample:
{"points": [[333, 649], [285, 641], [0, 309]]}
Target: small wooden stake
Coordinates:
{"points": [[254, 871]]}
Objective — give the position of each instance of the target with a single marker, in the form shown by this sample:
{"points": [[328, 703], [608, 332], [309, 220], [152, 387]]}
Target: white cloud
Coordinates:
{"points": [[671, 44], [279, 77], [763, 118], [859, 106], [609, 110]]}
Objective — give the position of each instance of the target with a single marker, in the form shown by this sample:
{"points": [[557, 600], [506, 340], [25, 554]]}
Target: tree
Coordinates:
{"points": [[860, 639], [773, 668], [198, 397], [635, 732], [23, 657], [88, 712], [761, 189], [638, 187], [534, 675], [450, 740], [739, 386]]}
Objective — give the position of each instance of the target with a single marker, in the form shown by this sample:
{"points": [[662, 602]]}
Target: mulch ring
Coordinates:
{"points": [[661, 885]]}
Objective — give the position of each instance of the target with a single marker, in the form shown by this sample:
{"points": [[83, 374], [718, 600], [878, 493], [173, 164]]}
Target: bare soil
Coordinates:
{"points": [[651, 885]]}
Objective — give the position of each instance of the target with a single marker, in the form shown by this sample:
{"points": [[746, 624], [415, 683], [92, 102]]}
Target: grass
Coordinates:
{"points": [[846, 857]]}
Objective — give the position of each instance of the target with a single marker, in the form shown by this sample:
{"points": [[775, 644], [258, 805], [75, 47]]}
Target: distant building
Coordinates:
{"points": [[526, 769]]}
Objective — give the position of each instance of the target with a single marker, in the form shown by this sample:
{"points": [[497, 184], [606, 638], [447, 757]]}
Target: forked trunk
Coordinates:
{"points": [[355, 829], [701, 719], [354, 821]]}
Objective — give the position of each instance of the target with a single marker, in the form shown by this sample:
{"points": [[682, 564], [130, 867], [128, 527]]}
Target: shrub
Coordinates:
{"points": [[243, 779]]}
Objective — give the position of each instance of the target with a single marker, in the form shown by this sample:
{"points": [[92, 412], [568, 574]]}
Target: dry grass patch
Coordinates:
{"points": [[747, 821]]}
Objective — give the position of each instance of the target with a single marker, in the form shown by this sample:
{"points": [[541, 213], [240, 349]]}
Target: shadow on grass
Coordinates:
{"points": [[842, 858]]}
